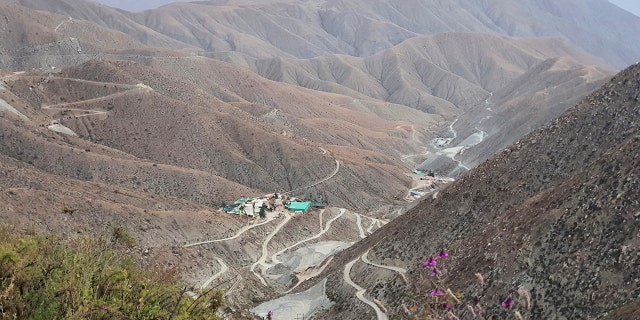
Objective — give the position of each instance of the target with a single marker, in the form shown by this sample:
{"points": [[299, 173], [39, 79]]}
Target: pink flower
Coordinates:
{"points": [[431, 262], [507, 303], [446, 306], [270, 315], [437, 292], [435, 272], [104, 308], [443, 254]]}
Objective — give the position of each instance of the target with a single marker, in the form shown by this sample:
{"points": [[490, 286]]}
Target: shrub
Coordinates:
{"points": [[46, 277], [64, 208], [122, 236]]}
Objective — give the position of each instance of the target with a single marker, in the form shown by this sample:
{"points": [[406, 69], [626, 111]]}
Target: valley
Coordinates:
{"points": [[328, 159]]}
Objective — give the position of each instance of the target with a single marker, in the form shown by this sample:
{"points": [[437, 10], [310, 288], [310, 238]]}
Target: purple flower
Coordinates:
{"points": [[476, 300], [443, 254], [507, 303], [138, 306], [104, 308], [435, 272], [437, 292], [446, 306], [431, 262], [269, 315]]}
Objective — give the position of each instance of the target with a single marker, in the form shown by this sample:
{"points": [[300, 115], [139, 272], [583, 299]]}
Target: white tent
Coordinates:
{"points": [[248, 209]]}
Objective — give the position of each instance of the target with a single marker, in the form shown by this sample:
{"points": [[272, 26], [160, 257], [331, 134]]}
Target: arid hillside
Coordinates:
{"points": [[555, 214], [39, 39], [306, 29], [197, 116], [502, 87], [153, 121]]}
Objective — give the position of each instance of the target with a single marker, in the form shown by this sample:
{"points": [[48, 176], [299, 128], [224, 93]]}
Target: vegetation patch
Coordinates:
{"points": [[47, 277]]}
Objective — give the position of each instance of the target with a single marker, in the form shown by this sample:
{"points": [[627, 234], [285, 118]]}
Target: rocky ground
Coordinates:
{"points": [[555, 214]]}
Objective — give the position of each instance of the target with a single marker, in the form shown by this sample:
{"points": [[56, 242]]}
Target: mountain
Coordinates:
{"points": [[42, 40], [556, 214], [360, 28], [248, 130], [498, 86], [100, 15], [151, 121], [139, 5]]}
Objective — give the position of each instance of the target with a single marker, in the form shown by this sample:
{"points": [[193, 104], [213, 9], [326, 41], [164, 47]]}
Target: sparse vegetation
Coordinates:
{"points": [[46, 277], [439, 302], [122, 236], [64, 208]]}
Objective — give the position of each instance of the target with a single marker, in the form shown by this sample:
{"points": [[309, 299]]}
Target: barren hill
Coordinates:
{"points": [[555, 214], [449, 70], [210, 119], [363, 28], [115, 118], [44, 40], [499, 86], [360, 28]]}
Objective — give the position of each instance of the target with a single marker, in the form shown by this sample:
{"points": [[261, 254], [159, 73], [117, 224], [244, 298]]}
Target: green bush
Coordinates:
{"points": [[46, 277]]}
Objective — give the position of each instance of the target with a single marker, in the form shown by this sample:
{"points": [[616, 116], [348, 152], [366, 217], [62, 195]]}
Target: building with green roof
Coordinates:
{"points": [[299, 206]]}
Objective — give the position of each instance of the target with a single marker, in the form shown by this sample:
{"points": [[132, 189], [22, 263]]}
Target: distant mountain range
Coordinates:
{"points": [[307, 29]]}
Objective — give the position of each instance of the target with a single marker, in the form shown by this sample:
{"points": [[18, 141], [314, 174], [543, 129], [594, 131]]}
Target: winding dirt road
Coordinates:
{"points": [[401, 271], [265, 250], [238, 234], [274, 258], [62, 23], [335, 171], [361, 291], [69, 106], [223, 268]]}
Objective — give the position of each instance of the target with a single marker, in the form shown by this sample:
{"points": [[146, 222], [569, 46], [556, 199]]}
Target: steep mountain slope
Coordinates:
{"points": [[499, 87], [527, 103], [436, 74], [102, 16], [363, 28], [246, 129], [556, 214], [38, 39], [308, 29], [139, 5]]}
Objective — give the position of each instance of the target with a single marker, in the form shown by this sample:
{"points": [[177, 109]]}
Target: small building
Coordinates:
{"points": [[248, 209], [258, 204], [237, 207], [299, 206], [279, 205]]}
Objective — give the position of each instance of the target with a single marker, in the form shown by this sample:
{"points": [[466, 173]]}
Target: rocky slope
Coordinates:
{"points": [[247, 130], [556, 213], [360, 28], [503, 86], [528, 102]]}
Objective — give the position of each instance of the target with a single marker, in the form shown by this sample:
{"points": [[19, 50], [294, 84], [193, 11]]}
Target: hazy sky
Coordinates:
{"points": [[632, 6], [137, 5]]}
